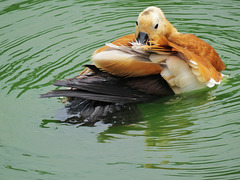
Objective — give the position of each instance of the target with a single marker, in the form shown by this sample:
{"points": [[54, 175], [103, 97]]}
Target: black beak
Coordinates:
{"points": [[142, 38]]}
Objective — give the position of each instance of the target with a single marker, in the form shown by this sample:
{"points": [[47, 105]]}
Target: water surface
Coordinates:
{"points": [[191, 136]]}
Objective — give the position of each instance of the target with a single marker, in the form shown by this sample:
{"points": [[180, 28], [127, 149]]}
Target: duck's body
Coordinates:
{"points": [[186, 62], [157, 60]]}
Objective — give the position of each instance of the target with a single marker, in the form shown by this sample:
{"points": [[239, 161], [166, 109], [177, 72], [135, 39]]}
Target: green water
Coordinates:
{"points": [[192, 136]]}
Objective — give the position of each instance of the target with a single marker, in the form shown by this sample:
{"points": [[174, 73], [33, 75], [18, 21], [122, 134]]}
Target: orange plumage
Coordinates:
{"points": [[123, 41], [163, 38]]}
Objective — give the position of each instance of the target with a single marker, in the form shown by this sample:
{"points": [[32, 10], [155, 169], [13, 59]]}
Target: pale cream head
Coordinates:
{"points": [[152, 21]]}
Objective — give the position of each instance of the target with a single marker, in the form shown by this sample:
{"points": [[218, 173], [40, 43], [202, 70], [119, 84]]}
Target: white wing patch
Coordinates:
{"points": [[212, 83]]}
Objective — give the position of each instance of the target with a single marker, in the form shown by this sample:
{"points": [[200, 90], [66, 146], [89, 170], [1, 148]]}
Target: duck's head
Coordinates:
{"points": [[152, 22]]}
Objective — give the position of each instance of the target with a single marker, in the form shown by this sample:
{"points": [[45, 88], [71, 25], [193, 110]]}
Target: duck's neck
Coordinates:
{"points": [[170, 30]]}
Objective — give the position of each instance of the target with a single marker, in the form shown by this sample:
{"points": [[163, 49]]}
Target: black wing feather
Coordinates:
{"points": [[101, 86]]}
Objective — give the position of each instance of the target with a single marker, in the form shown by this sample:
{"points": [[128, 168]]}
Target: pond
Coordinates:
{"points": [[189, 136]]}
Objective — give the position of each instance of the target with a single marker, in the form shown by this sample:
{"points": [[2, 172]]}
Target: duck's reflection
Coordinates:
{"points": [[164, 120], [83, 112]]}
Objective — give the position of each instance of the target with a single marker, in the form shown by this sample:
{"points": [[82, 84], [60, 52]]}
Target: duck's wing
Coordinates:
{"points": [[121, 58], [122, 41], [202, 59], [101, 86], [200, 48]]}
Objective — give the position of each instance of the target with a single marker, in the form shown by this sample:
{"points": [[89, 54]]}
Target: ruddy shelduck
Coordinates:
{"points": [[156, 60]]}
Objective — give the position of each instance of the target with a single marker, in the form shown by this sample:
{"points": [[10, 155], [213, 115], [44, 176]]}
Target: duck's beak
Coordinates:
{"points": [[142, 38]]}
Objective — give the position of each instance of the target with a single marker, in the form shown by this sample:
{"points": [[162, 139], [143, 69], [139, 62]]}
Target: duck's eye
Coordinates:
{"points": [[136, 23], [156, 26]]}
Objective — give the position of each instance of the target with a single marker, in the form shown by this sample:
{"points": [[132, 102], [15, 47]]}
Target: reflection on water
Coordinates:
{"points": [[178, 133], [190, 136], [165, 118], [83, 112]]}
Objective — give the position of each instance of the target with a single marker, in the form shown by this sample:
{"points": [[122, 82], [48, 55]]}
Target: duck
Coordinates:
{"points": [[155, 61]]}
